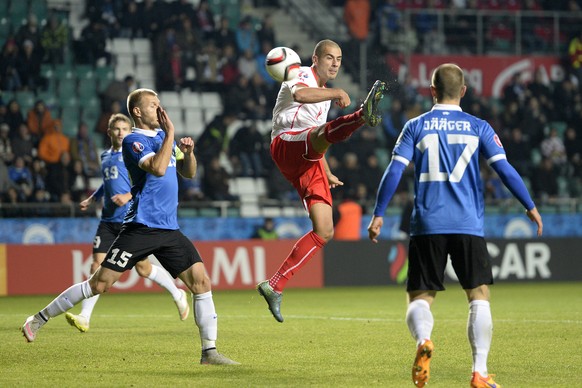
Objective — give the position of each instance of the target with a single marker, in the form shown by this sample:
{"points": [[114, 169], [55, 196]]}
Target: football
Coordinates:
{"points": [[282, 64]]}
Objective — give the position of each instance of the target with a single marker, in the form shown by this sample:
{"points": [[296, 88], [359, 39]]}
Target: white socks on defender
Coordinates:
{"points": [[87, 306], [419, 320], [480, 330], [67, 299], [163, 279], [206, 319]]}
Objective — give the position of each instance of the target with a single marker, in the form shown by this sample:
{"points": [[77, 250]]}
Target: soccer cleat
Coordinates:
{"points": [[212, 357], [78, 321], [479, 381], [273, 299], [183, 305], [31, 326], [421, 366], [370, 105]]}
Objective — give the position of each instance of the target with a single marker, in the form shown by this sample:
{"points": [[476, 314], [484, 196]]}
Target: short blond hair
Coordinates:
{"points": [[118, 117], [134, 99], [448, 79]]}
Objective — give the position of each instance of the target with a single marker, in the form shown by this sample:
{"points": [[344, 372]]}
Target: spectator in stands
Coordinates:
{"points": [[247, 65], [52, 145], [190, 41], [246, 36], [575, 54], [118, 90], [6, 153], [205, 19], [38, 172], [266, 231], [29, 31], [28, 66], [238, 99], [351, 176], [214, 139], [54, 40], [209, 62], [552, 147], [21, 176], [518, 151], [103, 122], [371, 174], [131, 22], [224, 35], [24, 145], [266, 32], [512, 116], [93, 43], [565, 95], [9, 76], [11, 196], [357, 19], [215, 182], [393, 122], [5, 182], [540, 89], [79, 181], [263, 96], [515, 90], [39, 120], [348, 220], [83, 149], [434, 42], [246, 151], [14, 116], [534, 122], [544, 181], [229, 68], [60, 178]]}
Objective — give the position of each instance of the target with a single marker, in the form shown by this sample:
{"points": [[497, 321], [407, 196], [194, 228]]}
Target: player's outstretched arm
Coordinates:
{"points": [[535, 216], [306, 95]]}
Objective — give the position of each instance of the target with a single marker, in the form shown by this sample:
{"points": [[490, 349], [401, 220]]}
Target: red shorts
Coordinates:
{"points": [[302, 166]]}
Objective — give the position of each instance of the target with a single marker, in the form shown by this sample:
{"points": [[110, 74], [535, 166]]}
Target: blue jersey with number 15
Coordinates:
{"points": [[444, 145]]}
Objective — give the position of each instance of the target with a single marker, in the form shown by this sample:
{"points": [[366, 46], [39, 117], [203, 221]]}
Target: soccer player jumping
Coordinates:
{"points": [[299, 140]]}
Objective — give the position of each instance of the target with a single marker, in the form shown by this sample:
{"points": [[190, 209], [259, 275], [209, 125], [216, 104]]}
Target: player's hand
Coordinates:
{"points": [[84, 205], [534, 215], [164, 121], [374, 228], [186, 145], [121, 199], [344, 99], [334, 181]]}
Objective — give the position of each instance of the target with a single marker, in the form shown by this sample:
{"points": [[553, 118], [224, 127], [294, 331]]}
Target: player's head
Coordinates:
{"points": [[142, 105], [448, 83], [327, 59], [118, 127]]}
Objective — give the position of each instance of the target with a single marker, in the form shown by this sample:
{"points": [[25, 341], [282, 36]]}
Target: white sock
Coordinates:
{"points": [[419, 320], [87, 306], [479, 331], [163, 279], [206, 319], [68, 298]]}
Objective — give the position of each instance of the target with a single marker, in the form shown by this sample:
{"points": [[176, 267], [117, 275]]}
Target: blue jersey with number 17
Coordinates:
{"points": [[155, 199], [444, 145]]}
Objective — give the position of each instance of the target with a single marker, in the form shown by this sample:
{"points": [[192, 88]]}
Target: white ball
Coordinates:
{"points": [[282, 64]]}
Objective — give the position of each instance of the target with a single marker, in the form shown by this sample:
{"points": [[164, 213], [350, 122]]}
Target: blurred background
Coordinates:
{"points": [[66, 66]]}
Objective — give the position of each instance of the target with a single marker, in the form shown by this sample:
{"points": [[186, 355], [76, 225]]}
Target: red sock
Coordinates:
{"points": [[341, 128], [302, 252]]}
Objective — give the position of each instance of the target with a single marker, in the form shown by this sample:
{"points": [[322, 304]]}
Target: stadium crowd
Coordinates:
{"points": [[539, 122]]}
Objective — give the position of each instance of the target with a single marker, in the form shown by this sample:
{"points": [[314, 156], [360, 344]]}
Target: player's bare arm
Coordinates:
{"points": [[333, 180], [307, 95], [121, 199], [84, 205], [374, 228], [534, 215], [157, 164], [187, 166]]}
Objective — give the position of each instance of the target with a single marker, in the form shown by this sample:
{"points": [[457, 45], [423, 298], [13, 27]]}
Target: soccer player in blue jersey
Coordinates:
{"points": [[444, 145], [115, 191], [151, 223]]}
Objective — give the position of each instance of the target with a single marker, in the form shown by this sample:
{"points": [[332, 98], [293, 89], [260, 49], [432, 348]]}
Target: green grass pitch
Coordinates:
{"points": [[334, 337]]}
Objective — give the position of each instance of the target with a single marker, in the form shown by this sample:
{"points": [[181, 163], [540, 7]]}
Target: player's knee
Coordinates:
{"points": [[326, 234]]}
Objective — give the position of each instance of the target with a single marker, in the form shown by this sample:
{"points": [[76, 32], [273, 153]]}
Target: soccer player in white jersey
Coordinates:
{"points": [[150, 225], [115, 191], [299, 140], [444, 145]]}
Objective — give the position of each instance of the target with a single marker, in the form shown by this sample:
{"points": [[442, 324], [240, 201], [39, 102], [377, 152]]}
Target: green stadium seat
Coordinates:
{"points": [[5, 28], [104, 76], [70, 117], [39, 8], [26, 100]]}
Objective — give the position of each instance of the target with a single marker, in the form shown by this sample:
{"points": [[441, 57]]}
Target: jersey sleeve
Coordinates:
{"points": [[404, 148], [137, 149], [491, 147]]}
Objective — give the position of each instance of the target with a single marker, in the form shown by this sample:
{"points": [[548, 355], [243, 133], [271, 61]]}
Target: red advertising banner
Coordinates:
{"points": [[486, 75], [50, 269]]}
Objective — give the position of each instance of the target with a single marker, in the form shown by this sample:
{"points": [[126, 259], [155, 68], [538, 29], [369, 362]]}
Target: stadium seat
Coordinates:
{"points": [[5, 28], [170, 99], [67, 88], [142, 46], [250, 210], [121, 46], [105, 75], [210, 100], [26, 100], [194, 122]]}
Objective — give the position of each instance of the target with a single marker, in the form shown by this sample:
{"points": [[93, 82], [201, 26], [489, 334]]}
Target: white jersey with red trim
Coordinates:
{"points": [[292, 116]]}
